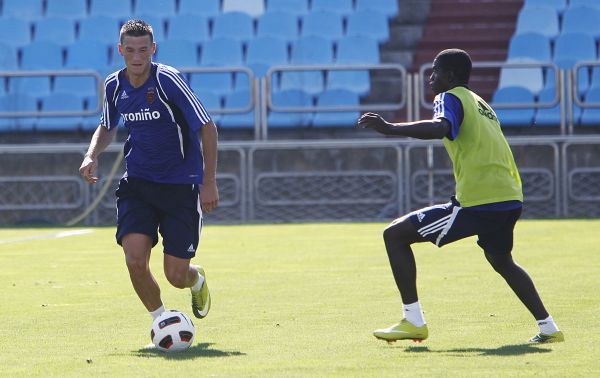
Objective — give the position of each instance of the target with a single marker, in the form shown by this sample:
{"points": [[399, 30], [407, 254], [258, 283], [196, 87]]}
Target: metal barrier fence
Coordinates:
{"points": [[350, 180]]}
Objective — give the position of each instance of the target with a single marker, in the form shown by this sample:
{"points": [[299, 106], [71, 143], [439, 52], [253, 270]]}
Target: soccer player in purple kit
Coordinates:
{"points": [[488, 197], [170, 180]]}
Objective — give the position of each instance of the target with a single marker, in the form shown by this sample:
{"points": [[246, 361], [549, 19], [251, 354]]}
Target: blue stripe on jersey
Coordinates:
{"points": [[448, 106]]}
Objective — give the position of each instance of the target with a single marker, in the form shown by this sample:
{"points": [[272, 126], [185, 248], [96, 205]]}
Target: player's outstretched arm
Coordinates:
{"points": [[209, 195], [100, 140], [425, 129]]}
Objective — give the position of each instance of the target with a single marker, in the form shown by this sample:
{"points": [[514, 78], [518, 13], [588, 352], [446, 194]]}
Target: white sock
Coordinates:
{"points": [[547, 326], [156, 313], [198, 285], [414, 314]]}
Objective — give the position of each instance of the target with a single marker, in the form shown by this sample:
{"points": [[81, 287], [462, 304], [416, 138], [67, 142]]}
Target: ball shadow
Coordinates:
{"points": [[201, 350]]}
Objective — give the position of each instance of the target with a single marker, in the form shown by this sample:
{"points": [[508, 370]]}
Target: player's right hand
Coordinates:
{"points": [[371, 121], [87, 169]]}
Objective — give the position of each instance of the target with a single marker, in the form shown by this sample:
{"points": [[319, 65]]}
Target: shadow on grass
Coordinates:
{"points": [[505, 350], [195, 351]]}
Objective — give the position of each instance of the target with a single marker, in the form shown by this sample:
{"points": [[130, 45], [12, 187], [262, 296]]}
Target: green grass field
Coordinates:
{"points": [[298, 300]]}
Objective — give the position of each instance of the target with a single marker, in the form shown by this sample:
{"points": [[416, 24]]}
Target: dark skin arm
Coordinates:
{"points": [[425, 129]]}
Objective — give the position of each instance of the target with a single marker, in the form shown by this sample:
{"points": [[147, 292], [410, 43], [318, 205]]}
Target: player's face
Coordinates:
{"points": [[440, 79], [137, 52]]}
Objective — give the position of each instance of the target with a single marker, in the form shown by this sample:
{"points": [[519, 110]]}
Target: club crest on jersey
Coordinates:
{"points": [[150, 95]]}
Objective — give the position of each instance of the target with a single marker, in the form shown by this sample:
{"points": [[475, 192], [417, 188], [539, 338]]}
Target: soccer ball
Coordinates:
{"points": [[172, 331]]}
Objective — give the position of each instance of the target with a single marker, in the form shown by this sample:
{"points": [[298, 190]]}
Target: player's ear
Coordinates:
{"points": [[153, 48], [120, 48]]}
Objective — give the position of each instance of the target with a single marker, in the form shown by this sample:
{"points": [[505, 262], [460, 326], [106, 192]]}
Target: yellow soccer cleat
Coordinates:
{"points": [[201, 298], [543, 338], [404, 330]]}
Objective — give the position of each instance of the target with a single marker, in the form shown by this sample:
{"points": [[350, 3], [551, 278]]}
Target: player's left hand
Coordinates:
{"points": [[209, 196], [371, 121]]}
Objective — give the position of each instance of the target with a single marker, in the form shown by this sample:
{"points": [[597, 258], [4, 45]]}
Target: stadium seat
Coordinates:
{"points": [[6, 124], [158, 25], [267, 50], [15, 32], [513, 117], [87, 55], [343, 7], [253, 8], [8, 58], [36, 86], [82, 86], [189, 28], [21, 102], [234, 25], [42, 56], [572, 48], [290, 98], [326, 25], [222, 52], [295, 7], [587, 3], [312, 50], [387, 7], [542, 20], [332, 98], [347, 53], [206, 8], [558, 5], [583, 19], [177, 53], [24, 9], [278, 25], [163, 8], [59, 30], [238, 99], [595, 80], [99, 28], [533, 46], [71, 9], [591, 116], [60, 102], [547, 116], [530, 78], [377, 27], [117, 9], [218, 83]]}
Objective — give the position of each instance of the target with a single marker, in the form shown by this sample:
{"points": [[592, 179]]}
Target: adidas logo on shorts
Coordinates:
{"points": [[420, 217], [191, 248]]}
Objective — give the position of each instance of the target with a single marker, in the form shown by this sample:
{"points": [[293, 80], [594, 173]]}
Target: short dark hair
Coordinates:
{"points": [[136, 28], [456, 60]]}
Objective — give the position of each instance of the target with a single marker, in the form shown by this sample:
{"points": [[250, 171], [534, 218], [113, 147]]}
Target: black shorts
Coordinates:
{"points": [[447, 223], [173, 209]]}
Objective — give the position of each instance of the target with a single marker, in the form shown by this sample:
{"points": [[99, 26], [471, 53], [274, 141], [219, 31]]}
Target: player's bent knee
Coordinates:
{"points": [[401, 232], [177, 276]]}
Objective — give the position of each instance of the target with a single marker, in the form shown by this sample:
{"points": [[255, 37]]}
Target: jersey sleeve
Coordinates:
{"points": [[110, 115], [448, 106], [178, 91]]}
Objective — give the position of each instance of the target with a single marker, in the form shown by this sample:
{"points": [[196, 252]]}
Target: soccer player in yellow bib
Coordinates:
{"points": [[487, 203]]}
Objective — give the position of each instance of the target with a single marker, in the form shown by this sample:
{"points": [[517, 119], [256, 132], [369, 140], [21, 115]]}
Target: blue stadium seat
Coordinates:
{"points": [[514, 117], [24, 9], [82, 86], [290, 98], [571, 48], [218, 83], [238, 99], [378, 26], [158, 25], [347, 53], [71, 9], [42, 56], [583, 19], [542, 20], [253, 8], [548, 116], [235, 25], [587, 3], [530, 46], [296, 7], [36, 86], [164, 8], [591, 116], [189, 28], [595, 81], [312, 50], [206, 8], [20, 102], [343, 7], [59, 30], [99, 28], [558, 5], [8, 57], [278, 25], [583, 75], [177, 53], [326, 25], [222, 52], [60, 102], [6, 124], [87, 55], [530, 78], [15, 32], [267, 50], [332, 98], [117, 9], [387, 7]]}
